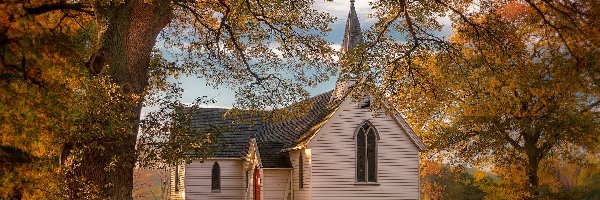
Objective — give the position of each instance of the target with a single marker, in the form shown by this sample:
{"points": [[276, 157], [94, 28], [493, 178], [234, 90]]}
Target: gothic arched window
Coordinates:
{"points": [[216, 177], [177, 178], [301, 170], [366, 153]]}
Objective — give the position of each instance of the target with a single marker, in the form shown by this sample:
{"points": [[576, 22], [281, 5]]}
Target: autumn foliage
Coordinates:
{"points": [[508, 102]]}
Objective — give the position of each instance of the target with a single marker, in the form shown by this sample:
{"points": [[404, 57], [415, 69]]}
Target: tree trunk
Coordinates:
{"points": [[532, 172], [127, 34]]}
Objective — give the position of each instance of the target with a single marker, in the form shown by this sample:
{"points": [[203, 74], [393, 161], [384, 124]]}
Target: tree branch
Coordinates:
{"points": [[196, 15], [557, 29], [59, 6], [591, 106], [463, 17], [413, 34], [513, 142], [235, 42], [409, 22]]}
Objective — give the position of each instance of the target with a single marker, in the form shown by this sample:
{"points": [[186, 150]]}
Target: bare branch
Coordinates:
{"points": [[409, 22], [236, 44]]}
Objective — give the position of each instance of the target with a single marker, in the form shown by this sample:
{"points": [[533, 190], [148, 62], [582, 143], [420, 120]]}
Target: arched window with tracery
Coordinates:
{"points": [[366, 153], [216, 177]]}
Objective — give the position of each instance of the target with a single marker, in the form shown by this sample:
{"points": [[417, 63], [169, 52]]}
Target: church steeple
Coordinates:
{"points": [[352, 35], [352, 38]]}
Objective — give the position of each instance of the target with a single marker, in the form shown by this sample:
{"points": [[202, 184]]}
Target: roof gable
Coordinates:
{"points": [[313, 133], [409, 131]]}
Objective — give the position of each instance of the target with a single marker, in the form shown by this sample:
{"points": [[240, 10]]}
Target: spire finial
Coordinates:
{"points": [[352, 34]]}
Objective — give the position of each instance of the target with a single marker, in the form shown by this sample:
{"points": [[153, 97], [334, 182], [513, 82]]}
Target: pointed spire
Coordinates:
{"points": [[352, 38], [353, 34]]}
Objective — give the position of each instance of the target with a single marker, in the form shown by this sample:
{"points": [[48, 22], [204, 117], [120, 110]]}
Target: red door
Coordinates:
{"points": [[256, 183]]}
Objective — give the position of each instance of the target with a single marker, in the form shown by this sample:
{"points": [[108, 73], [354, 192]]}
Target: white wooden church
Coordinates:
{"points": [[339, 150]]}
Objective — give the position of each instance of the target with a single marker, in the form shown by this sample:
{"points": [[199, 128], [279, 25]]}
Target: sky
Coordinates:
{"points": [[225, 97]]}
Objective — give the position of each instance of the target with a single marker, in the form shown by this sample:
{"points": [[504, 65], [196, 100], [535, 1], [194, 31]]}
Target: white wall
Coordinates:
{"points": [[198, 180], [176, 195], [333, 159], [301, 193], [275, 183]]}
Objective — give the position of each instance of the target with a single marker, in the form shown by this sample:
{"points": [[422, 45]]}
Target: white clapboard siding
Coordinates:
{"points": [[173, 194], [275, 183], [198, 177], [333, 159], [301, 193]]}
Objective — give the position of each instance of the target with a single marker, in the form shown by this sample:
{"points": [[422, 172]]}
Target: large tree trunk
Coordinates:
{"points": [[127, 34], [532, 171], [533, 178]]}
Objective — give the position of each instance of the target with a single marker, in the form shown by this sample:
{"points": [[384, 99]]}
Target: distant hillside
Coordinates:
{"points": [[149, 184]]}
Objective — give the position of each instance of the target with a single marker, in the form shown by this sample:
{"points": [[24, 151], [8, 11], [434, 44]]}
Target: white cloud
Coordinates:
{"points": [[216, 106], [273, 47], [340, 9], [336, 47]]}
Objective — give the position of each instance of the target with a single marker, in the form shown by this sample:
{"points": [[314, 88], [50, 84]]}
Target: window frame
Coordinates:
{"points": [[300, 171], [216, 166], [366, 156], [247, 178], [177, 178]]}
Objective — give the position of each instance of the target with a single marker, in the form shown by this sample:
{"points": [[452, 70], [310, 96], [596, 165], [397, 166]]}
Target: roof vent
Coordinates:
{"points": [[365, 102]]}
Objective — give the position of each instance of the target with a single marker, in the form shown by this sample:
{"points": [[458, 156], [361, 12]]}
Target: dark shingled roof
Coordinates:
{"points": [[271, 137], [288, 132], [234, 142], [271, 155]]}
